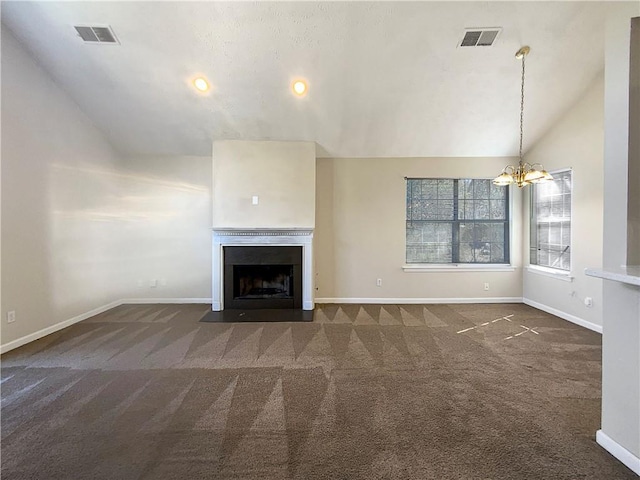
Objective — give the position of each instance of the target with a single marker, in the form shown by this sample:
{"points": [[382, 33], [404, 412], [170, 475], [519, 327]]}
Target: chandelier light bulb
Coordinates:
{"points": [[299, 87], [201, 84]]}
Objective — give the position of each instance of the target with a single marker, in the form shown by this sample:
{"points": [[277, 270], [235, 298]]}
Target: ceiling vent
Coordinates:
{"points": [[97, 34], [479, 37]]}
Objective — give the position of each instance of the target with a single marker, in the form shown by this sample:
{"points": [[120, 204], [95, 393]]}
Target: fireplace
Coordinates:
{"points": [[262, 269], [262, 277]]}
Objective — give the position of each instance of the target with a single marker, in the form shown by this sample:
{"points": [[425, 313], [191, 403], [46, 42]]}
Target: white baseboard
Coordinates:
{"points": [[58, 326], [618, 451], [138, 301], [565, 316], [405, 301], [78, 318]]}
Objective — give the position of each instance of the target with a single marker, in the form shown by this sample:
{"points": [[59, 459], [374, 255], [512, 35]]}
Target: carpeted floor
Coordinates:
{"points": [[364, 392]]}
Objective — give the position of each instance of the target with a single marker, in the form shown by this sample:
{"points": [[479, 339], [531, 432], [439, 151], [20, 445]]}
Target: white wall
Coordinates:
{"points": [[575, 141], [633, 210], [360, 232], [281, 174], [60, 209], [620, 432], [166, 203]]}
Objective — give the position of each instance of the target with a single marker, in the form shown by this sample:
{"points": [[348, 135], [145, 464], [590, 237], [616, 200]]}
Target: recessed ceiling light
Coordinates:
{"points": [[201, 84], [299, 87]]}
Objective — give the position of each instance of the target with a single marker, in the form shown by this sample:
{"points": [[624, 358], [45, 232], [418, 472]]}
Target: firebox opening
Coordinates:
{"points": [[262, 277], [262, 282]]}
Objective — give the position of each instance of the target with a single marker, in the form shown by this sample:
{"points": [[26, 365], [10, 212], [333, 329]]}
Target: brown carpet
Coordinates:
{"points": [[363, 392]]}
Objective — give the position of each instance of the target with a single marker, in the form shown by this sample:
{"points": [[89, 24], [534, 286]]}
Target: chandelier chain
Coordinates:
{"points": [[522, 108]]}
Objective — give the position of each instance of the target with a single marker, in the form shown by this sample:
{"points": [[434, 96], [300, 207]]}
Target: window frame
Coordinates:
{"points": [[553, 272], [507, 266]]}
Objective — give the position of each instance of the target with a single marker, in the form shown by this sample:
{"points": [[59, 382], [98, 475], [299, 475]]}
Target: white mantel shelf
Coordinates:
{"points": [[629, 274], [252, 232]]}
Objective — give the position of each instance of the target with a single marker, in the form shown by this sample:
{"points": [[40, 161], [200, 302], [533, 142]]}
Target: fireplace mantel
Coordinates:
{"points": [[223, 237]]}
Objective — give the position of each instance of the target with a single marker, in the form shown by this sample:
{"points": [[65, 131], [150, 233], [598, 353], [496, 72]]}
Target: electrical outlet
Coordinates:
{"points": [[255, 200], [486, 286], [379, 282], [588, 301], [11, 316]]}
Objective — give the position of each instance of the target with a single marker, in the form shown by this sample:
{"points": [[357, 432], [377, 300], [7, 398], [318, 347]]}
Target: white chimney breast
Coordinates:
{"points": [[283, 172]]}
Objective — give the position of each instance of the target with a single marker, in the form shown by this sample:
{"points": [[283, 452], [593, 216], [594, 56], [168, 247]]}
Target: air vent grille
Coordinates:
{"points": [[480, 37], [96, 34]]}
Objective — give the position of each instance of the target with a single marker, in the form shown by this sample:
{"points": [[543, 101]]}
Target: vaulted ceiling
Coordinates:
{"points": [[386, 79]]}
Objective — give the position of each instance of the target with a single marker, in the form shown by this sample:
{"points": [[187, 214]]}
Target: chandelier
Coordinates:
{"points": [[524, 173]]}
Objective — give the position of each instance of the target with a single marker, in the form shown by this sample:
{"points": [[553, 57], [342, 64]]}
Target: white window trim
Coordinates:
{"points": [[550, 271], [456, 267], [558, 274]]}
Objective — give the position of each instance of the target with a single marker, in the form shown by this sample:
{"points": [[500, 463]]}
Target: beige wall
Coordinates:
{"points": [[281, 174], [166, 205], [576, 141], [61, 232], [360, 231]]}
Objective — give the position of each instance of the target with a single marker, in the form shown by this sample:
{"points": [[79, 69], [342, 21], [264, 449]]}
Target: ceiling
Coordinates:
{"points": [[386, 79]]}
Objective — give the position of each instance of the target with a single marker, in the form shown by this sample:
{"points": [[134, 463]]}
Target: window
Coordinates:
{"points": [[551, 222], [457, 221]]}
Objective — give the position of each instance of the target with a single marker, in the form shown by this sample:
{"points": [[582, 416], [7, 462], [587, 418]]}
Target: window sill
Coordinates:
{"points": [[457, 267], [549, 272]]}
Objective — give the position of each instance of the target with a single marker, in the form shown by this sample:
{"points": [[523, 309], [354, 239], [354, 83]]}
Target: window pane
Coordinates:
{"points": [[443, 233], [414, 233], [466, 232], [497, 232], [466, 253], [566, 205], [429, 189], [432, 253], [465, 188], [498, 210], [429, 210], [556, 206], [551, 222], [445, 210], [483, 232], [481, 188], [483, 253], [497, 192], [481, 211], [445, 189], [497, 252], [566, 234], [465, 209], [554, 233]]}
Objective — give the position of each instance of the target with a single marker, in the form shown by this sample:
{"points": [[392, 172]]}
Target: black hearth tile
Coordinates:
{"points": [[259, 315]]}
